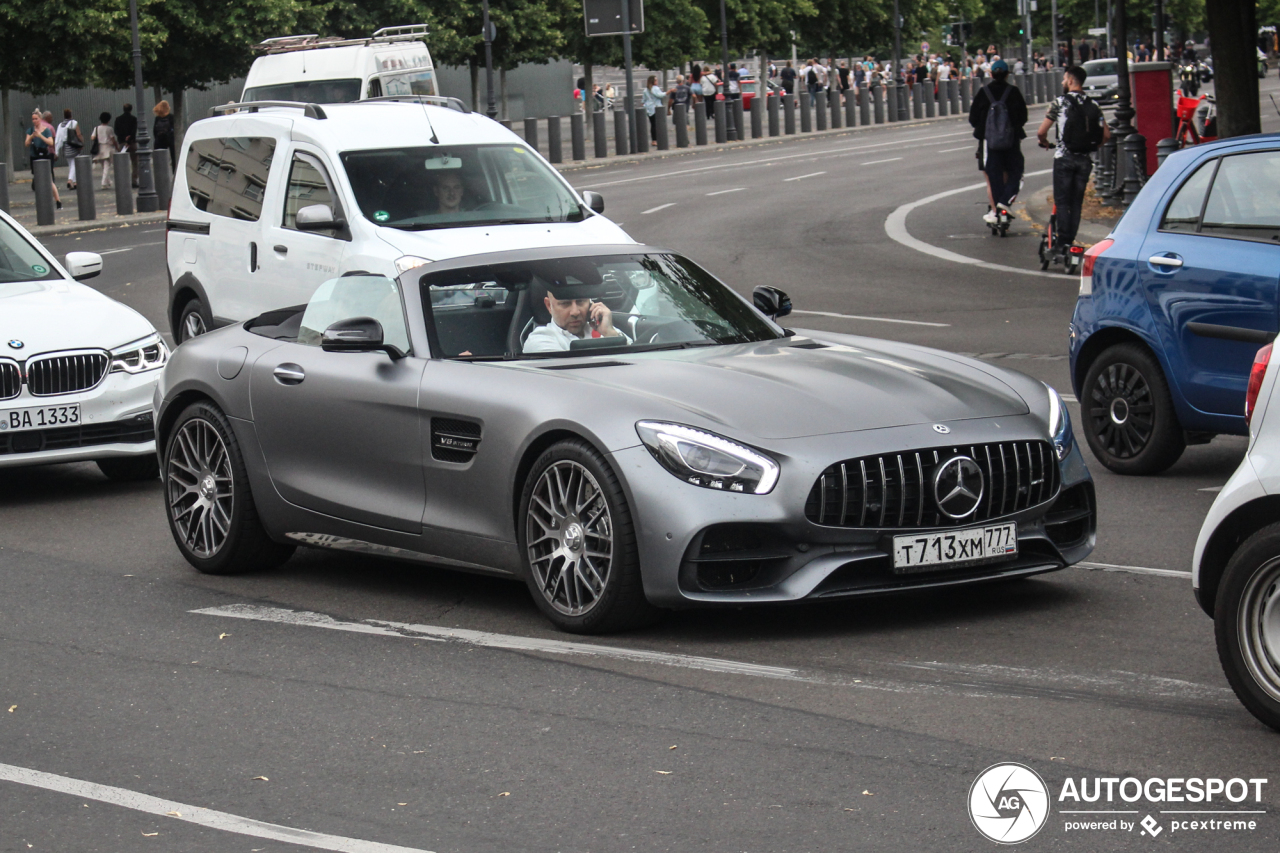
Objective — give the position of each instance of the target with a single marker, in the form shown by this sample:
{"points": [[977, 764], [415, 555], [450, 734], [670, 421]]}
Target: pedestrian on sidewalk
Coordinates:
{"points": [[163, 132], [40, 141], [788, 75], [1081, 131], [997, 115], [103, 146], [652, 99], [69, 142], [680, 93], [127, 137]]}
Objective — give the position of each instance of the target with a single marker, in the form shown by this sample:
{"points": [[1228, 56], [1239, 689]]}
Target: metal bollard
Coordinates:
{"points": [[930, 100], [904, 103], [820, 109], [806, 114], [660, 125], [864, 106], [642, 132], [1164, 148], [531, 132], [789, 113], [944, 101], [1135, 167], [681, 116], [84, 189], [506, 122], [850, 109], [122, 175], [833, 102], [877, 102], [891, 102], [161, 171], [598, 132], [721, 135], [555, 148], [757, 117], [700, 123], [621, 134], [917, 101], [4, 187], [578, 136], [966, 94], [739, 119], [42, 183], [953, 93], [772, 107]]}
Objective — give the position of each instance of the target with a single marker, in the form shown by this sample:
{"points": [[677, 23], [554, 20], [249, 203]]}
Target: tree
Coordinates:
{"points": [[1233, 33]]}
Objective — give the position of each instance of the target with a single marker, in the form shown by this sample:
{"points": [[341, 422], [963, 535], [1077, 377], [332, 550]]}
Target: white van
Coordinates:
{"points": [[310, 69], [270, 200]]}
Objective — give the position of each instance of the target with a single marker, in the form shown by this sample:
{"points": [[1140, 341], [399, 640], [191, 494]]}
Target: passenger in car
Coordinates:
{"points": [[574, 316], [450, 192]]}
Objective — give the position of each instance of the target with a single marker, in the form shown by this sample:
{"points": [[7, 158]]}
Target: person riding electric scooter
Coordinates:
{"points": [[998, 114]]}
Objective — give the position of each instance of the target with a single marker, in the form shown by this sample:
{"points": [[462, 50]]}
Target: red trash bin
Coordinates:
{"points": [[1152, 86]]}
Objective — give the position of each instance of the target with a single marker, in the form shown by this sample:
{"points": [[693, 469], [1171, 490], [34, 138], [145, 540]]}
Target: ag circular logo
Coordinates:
{"points": [[958, 486], [1008, 803]]}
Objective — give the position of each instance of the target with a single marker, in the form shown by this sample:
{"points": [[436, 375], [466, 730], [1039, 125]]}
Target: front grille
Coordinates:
{"points": [[895, 490], [137, 430], [66, 373], [10, 380]]}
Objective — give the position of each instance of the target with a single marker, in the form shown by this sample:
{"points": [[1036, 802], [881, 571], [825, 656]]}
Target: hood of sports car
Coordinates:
{"points": [[445, 243], [55, 315], [777, 390]]}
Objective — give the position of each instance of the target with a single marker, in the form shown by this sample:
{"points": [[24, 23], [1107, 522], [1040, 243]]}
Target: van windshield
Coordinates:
{"points": [[308, 92], [437, 186]]}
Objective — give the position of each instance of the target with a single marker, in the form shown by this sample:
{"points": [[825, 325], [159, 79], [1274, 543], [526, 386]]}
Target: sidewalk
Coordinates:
{"points": [[22, 207]]}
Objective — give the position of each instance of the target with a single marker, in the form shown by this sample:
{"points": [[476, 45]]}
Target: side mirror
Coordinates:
{"points": [[595, 201], [83, 265], [771, 301], [357, 334], [318, 217]]}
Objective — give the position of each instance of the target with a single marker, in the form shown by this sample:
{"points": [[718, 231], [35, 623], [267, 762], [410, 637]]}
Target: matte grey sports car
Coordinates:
{"points": [[619, 429]]}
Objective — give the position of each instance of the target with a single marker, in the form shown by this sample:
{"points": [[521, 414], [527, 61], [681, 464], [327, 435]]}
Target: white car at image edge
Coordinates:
{"points": [[77, 369]]}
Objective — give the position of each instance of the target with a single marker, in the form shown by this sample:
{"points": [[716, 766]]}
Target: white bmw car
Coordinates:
{"points": [[77, 369]]}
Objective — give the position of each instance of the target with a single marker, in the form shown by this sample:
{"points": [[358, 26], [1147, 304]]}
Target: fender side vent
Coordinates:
{"points": [[809, 345], [454, 440]]}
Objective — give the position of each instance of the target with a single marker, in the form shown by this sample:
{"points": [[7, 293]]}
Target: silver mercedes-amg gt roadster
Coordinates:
{"points": [[617, 428]]}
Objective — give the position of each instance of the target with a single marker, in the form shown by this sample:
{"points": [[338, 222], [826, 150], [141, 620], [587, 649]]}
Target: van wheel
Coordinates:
{"points": [[1246, 621], [1129, 419], [191, 322]]}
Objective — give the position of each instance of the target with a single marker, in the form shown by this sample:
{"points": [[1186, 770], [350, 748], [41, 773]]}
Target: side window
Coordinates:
{"points": [[228, 177], [1183, 213], [351, 296], [308, 184], [375, 88], [1244, 202], [204, 164]]}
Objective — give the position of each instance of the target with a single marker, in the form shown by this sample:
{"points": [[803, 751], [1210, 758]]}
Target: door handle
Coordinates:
{"points": [[282, 250], [1163, 261], [253, 257], [289, 374]]}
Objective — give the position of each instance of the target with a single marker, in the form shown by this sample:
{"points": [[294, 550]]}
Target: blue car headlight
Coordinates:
{"points": [[708, 460], [1059, 424]]}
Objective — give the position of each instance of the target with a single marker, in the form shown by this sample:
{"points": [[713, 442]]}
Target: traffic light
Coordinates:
{"points": [[1060, 21]]}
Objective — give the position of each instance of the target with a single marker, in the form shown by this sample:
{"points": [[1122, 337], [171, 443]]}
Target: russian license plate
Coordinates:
{"points": [[955, 548], [39, 417]]}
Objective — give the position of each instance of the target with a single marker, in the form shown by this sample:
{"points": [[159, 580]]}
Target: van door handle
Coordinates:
{"points": [[253, 257], [281, 250], [289, 374], [1165, 261]]}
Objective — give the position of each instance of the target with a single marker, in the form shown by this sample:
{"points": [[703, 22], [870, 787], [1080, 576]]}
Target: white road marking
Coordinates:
{"points": [[1070, 398], [659, 207], [874, 319], [961, 148], [495, 641], [193, 814], [722, 192], [896, 227], [876, 162], [1210, 489], [1134, 570], [130, 248], [802, 177]]}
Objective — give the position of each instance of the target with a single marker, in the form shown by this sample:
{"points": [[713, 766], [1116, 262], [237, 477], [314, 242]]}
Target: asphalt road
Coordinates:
{"points": [[858, 725]]}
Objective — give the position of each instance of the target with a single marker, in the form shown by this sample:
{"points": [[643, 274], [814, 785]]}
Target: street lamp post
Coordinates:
{"points": [[729, 131], [491, 109], [148, 201]]}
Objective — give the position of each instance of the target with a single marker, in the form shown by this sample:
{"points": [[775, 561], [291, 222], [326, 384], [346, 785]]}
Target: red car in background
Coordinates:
{"points": [[748, 86]]}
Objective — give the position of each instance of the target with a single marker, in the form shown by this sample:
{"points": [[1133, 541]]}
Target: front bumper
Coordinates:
{"points": [[115, 421]]}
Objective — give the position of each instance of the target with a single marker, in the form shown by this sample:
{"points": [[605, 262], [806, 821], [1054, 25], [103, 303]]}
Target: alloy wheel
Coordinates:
{"points": [[569, 532], [200, 487], [1260, 627], [193, 325], [1123, 414]]}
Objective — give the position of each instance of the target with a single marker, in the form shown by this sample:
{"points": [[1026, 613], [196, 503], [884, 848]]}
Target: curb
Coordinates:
{"points": [[1038, 208], [96, 224]]}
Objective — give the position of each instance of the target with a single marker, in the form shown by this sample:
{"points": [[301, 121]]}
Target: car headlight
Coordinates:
{"points": [[405, 263], [708, 460], [139, 356], [1059, 423]]}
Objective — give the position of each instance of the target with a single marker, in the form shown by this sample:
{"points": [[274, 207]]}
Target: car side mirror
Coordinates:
{"points": [[357, 334], [594, 200], [771, 301], [318, 217], [83, 265]]}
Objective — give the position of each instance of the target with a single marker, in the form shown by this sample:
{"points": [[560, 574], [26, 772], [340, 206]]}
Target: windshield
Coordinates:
{"points": [[19, 260], [586, 305], [418, 189], [308, 92], [1100, 67]]}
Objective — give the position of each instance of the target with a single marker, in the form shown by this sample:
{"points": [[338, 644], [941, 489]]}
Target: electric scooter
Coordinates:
{"points": [[1053, 251]]}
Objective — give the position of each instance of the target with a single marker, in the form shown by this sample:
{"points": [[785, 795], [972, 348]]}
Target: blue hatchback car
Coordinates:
{"points": [[1175, 303]]}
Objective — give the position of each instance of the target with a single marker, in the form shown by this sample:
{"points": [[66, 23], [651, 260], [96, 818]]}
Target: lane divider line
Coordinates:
{"points": [[873, 319], [961, 148], [896, 227], [659, 207], [193, 814], [722, 192], [802, 177], [877, 162], [1134, 570]]}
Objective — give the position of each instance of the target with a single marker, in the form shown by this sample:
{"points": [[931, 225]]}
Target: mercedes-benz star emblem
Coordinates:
{"points": [[958, 487], [941, 428], [15, 344]]}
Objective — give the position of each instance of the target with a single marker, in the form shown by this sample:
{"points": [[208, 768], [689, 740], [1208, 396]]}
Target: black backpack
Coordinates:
{"points": [[1082, 128], [812, 78], [999, 134]]}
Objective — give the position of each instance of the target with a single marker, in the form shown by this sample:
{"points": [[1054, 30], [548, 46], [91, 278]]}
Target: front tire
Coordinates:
{"points": [[130, 469], [578, 542], [1246, 621], [207, 497], [1129, 419]]}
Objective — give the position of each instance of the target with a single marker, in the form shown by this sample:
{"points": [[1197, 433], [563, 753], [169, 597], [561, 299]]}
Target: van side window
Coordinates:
{"points": [[375, 88], [228, 177], [308, 184]]}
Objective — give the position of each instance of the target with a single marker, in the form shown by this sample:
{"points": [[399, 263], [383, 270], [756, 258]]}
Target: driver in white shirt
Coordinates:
{"points": [[574, 316]]}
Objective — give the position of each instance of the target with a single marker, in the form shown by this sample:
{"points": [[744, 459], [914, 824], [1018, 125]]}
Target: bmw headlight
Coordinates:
{"points": [[1059, 424], [146, 354], [708, 460]]}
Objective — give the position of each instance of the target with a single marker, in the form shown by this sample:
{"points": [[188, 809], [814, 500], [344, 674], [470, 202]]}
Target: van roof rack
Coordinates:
{"points": [[309, 110], [439, 101], [311, 41]]}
